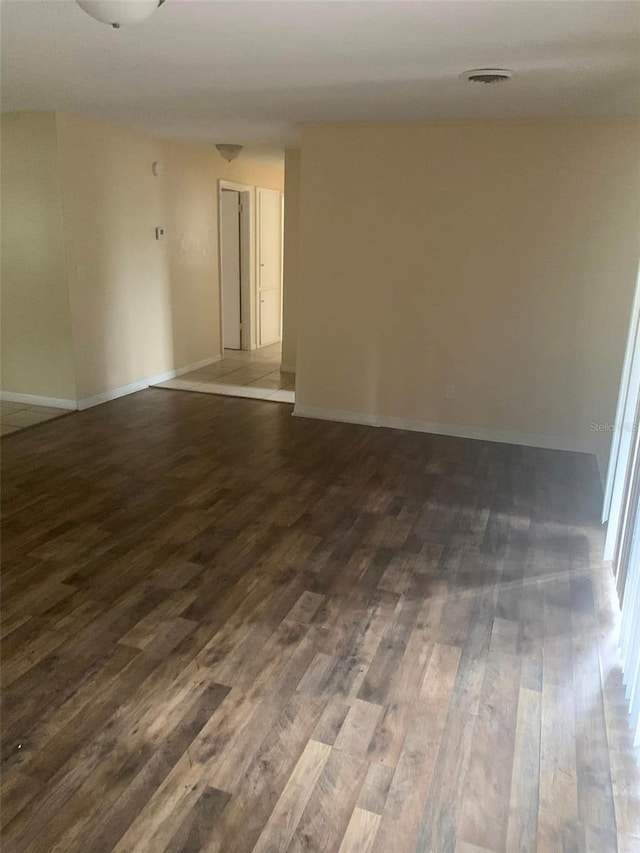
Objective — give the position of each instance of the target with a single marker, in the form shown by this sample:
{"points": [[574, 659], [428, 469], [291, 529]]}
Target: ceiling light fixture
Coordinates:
{"points": [[119, 13], [487, 75], [228, 151]]}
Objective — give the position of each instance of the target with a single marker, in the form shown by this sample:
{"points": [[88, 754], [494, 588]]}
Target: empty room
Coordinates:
{"points": [[319, 405]]}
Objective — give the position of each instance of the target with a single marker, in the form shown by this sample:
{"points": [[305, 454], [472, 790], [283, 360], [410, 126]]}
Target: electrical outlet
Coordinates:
{"points": [[450, 392]]}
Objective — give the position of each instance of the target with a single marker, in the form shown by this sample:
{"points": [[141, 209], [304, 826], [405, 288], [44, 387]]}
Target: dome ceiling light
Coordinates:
{"points": [[119, 13], [228, 151], [487, 75]]}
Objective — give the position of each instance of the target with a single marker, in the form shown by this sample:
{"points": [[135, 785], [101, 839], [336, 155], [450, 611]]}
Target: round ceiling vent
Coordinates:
{"points": [[487, 75]]}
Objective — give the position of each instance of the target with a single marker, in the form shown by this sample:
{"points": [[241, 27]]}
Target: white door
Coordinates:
{"points": [[269, 271], [230, 267]]}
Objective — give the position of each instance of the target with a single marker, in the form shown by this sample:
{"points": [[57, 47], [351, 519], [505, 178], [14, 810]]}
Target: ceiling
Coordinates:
{"points": [[250, 72]]}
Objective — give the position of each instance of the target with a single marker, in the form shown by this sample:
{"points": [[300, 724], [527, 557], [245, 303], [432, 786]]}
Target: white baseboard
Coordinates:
{"points": [[180, 371], [287, 368], [547, 442], [89, 402], [105, 396], [34, 400]]}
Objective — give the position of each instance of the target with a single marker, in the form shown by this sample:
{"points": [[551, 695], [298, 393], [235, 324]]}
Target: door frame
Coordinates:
{"points": [[280, 262], [248, 285], [624, 439]]}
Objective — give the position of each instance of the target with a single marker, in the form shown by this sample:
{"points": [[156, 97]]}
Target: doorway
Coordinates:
{"points": [[236, 243], [250, 244], [250, 234]]}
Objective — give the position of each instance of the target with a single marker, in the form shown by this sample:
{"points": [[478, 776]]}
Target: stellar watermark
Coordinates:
{"points": [[607, 427]]}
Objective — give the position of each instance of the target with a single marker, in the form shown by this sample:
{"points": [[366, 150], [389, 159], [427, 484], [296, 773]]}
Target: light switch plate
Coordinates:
{"points": [[159, 233]]}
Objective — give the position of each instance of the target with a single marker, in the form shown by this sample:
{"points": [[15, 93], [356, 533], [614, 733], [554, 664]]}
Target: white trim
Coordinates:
{"points": [[232, 185], [248, 340], [616, 455], [33, 400], [548, 442], [180, 371], [258, 224], [280, 396], [287, 368], [620, 464], [105, 396], [113, 394], [89, 402]]}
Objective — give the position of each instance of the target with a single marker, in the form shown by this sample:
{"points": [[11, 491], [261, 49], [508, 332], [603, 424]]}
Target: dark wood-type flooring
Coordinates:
{"points": [[227, 629]]}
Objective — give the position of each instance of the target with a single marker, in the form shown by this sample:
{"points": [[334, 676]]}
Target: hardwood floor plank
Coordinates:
{"points": [[114, 760], [439, 679], [598, 840], [290, 807], [144, 631], [358, 727], [627, 844], [447, 783], [485, 804], [390, 651], [595, 788], [626, 792], [361, 832], [558, 772], [375, 789], [108, 829], [525, 781], [193, 833], [227, 629], [40, 646], [402, 816], [266, 776], [331, 803], [330, 723], [64, 729], [18, 790], [556, 832]]}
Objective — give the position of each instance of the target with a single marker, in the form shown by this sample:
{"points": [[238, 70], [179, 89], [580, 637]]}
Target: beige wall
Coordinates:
{"points": [[496, 257], [91, 301], [119, 275], [142, 307], [291, 267], [37, 351]]}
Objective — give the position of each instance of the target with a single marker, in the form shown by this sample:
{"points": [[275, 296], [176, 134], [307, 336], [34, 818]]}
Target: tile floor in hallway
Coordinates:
{"points": [[17, 416], [241, 373]]}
